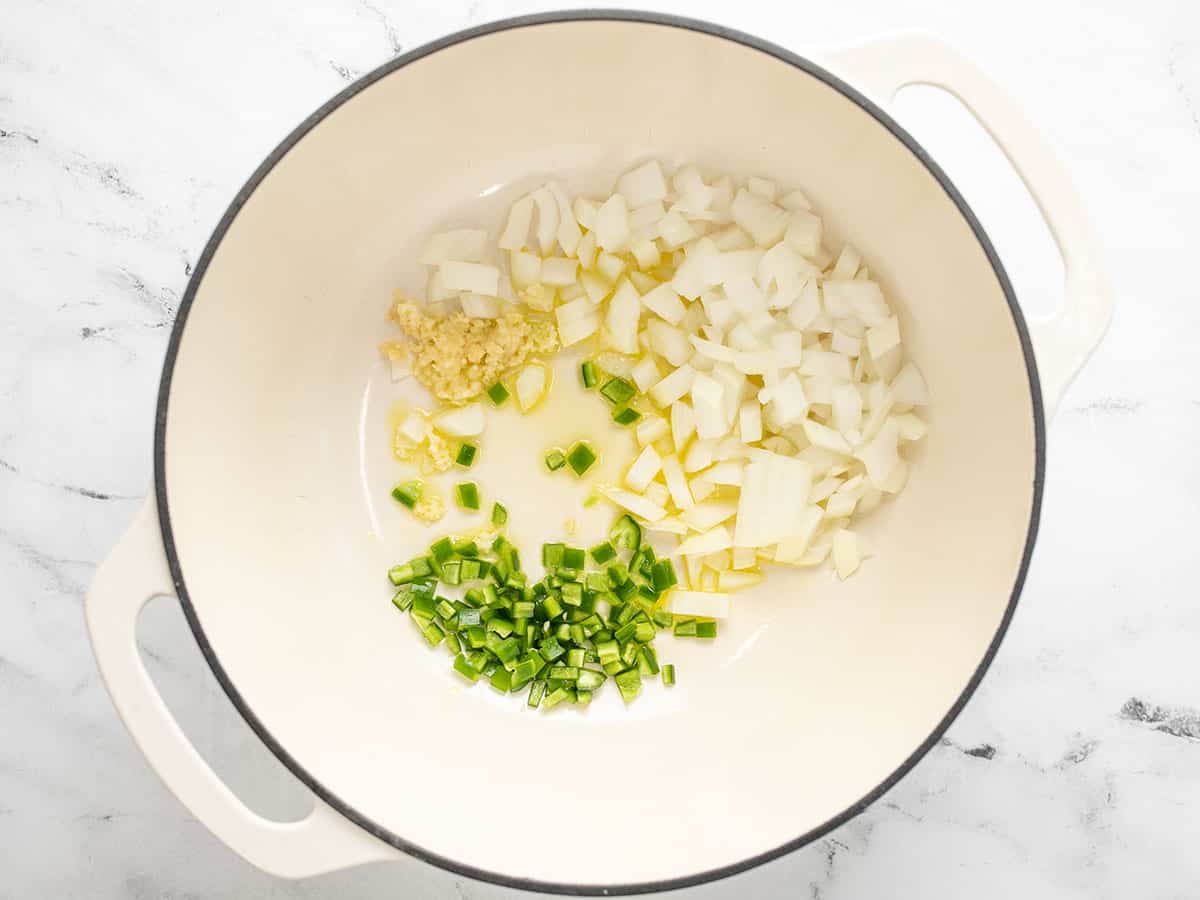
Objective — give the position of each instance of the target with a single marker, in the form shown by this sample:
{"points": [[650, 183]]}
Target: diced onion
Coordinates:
{"points": [[644, 468], [710, 604], [645, 374], [642, 185], [846, 556], [474, 277], [707, 542], [612, 224], [516, 232], [635, 503], [531, 386], [462, 244], [673, 386], [461, 421], [782, 396]]}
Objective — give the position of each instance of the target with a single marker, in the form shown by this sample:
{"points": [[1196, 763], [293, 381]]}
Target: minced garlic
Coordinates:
{"points": [[429, 508], [458, 357]]}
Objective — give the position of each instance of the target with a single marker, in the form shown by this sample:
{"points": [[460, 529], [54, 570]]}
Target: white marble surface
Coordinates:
{"points": [[125, 128]]}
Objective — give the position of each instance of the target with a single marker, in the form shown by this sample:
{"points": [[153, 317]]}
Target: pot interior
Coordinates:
{"points": [[277, 470]]}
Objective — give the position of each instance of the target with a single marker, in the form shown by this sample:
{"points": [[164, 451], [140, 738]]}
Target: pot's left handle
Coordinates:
{"points": [[134, 572]]}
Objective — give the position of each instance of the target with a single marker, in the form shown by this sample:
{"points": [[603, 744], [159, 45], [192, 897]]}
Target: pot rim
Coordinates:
{"points": [[197, 277]]}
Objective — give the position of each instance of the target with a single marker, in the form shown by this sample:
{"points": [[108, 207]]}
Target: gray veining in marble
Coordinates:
{"points": [[125, 128]]}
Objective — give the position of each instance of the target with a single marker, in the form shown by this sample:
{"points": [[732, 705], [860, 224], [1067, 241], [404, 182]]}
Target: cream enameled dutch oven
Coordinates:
{"points": [[270, 522]]}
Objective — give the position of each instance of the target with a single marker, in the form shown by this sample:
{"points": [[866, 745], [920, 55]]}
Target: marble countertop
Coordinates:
{"points": [[125, 129]]}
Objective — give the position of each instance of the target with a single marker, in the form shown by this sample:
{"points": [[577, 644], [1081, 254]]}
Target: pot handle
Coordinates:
{"points": [[1063, 342], [134, 572]]}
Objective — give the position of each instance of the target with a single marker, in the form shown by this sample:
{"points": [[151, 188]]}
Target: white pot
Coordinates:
{"points": [[270, 466]]}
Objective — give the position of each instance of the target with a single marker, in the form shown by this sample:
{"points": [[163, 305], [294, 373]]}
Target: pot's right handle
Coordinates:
{"points": [[135, 571], [1063, 342]]}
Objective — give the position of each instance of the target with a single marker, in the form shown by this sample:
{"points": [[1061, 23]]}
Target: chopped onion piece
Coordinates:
{"points": [[862, 299], [559, 271], [643, 221], [675, 230], [795, 200], [911, 427], [640, 506], [585, 212], [738, 581], [764, 221], [595, 286], [586, 251], [474, 277], [908, 387], [804, 233], [673, 386], [516, 232], [718, 561], [897, 480], [774, 493], [612, 224], [462, 244], [526, 268], [824, 489], [670, 525], [708, 404], [702, 488], [531, 386], [569, 233], [644, 468], [610, 266], [415, 427], [824, 437], [788, 404], [476, 306], [616, 364], [710, 604], [683, 424], [732, 238], [791, 549], [651, 428], [664, 302], [669, 342], [642, 185], [645, 374], [880, 456], [693, 192], [761, 186], [844, 344], [643, 282], [646, 253], [399, 368], [706, 542], [847, 264], [882, 338], [846, 556], [576, 330], [621, 323], [750, 422], [578, 308], [461, 421], [676, 483], [547, 216], [847, 407], [657, 494], [699, 456], [744, 558], [727, 472], [713, 350]]}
